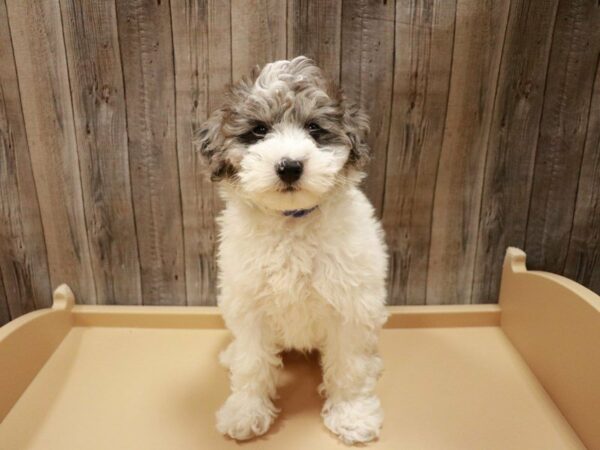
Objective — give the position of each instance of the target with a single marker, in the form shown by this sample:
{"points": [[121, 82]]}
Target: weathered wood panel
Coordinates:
{"points": [[92, 47], [563, 127], [367, 72], [201, 34], [485, 133], [424, 42], [480, 28], [39, 51], [148, 66], [583, 257], [24, 278], [512, 141], [258, 34], [314, 30]]}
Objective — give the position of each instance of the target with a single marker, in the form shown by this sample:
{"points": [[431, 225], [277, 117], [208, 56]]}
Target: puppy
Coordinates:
{"points": [[302, 258]]}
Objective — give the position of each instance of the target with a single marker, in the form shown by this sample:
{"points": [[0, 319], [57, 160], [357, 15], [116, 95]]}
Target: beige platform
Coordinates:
{"points": [[521, 375]]}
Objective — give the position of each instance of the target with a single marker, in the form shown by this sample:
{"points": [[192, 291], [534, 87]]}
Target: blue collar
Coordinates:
{"points": [[297, 213]]}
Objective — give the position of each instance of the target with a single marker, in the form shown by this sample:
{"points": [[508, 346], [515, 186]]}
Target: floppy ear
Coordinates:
{"points": [[208, 140], [356, 126]]}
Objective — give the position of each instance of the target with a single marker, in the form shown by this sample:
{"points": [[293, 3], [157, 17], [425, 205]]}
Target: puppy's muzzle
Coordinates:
{"points": [[289, 170]]}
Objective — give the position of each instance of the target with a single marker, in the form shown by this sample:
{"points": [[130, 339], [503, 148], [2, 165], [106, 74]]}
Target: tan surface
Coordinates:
{"points": [[127, 388], [148, 378], [555, 325]]}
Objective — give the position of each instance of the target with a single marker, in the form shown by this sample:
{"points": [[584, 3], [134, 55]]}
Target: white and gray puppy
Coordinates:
{"points": [[302, 258]]}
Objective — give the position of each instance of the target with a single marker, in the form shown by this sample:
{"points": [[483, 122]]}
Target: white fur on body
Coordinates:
{"points": [[315, 282]]}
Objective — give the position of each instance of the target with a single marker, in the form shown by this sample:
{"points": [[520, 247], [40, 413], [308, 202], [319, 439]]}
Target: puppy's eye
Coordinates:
{"points": [[257, 133], [313, 128], [315, 131], [260, 130]]}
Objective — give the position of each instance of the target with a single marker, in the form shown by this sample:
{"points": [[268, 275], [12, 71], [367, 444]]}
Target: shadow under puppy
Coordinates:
{"points": [[302, 259]]}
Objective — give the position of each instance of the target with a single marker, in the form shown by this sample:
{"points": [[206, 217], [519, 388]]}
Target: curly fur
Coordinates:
{"points": [[315, 282]]}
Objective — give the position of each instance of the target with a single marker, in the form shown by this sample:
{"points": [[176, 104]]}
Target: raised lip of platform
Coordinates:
{"points": [[554, 324], [208, 317], [515, 262]]}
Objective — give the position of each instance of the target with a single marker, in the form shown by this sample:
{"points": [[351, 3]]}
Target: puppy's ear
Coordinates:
{"points": [[356, 125], [208, 141]]}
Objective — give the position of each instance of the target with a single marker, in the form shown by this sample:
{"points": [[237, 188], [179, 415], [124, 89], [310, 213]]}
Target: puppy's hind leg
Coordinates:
{"points": [[253, 366], [351, 367]]}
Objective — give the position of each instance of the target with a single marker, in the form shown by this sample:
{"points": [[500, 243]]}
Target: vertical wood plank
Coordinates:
{"points": [[44, 86], [571, 72], [424, 41], [92, 48], [583, 257], [480, 28], [512, 142], [201, 33], [314, 30], [24, 280], [219, 48], [148, 66], [367, 70], [258, 34]]}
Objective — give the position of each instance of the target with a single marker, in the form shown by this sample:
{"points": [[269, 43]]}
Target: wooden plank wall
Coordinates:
{"points": [[485, 122]]}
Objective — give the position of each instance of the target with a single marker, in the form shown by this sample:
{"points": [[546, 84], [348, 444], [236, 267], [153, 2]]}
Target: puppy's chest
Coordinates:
{"points": [[287, 264], [300, 325]]}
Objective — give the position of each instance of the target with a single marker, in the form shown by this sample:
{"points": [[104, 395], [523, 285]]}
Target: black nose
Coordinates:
{"points": [[289, 170]]}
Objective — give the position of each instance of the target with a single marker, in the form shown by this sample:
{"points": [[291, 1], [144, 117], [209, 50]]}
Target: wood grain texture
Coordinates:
{"points": [[479, 37], [258, 34], [36, 32], [424, 41], [24, 278], [201, 34], [563, 126], [512, 141], [484, 128], [367, 74], [314, 30], [148, 67], [92, 48], [583, 257]]}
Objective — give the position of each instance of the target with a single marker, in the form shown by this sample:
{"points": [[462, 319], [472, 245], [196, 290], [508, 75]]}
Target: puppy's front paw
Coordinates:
{"points": [[244, 416], [354, 421]]}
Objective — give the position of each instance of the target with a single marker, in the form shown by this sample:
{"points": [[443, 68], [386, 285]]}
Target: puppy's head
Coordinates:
{"points": [[285, 138]]}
